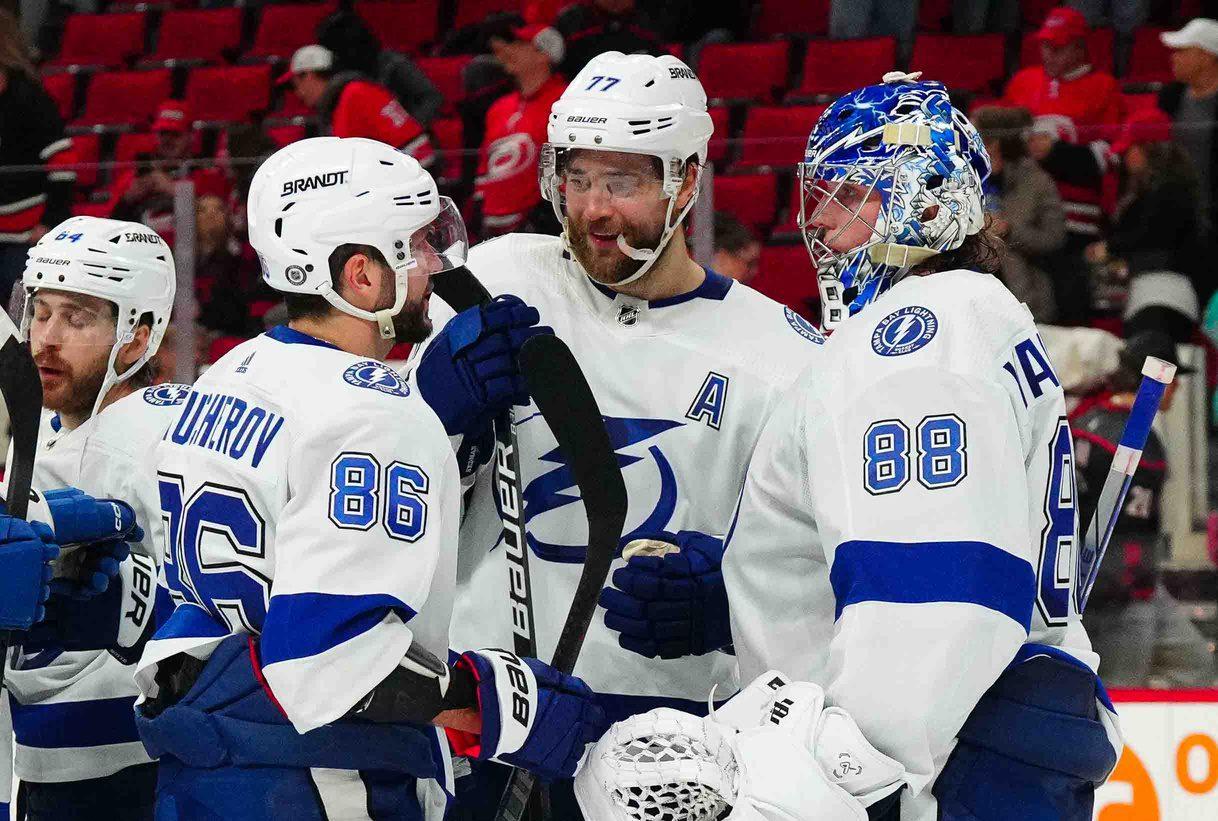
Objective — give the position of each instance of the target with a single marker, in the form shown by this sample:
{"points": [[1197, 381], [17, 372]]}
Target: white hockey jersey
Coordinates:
{"points": [[312, 499], [73, 711], [684, 385], [908, 520]]}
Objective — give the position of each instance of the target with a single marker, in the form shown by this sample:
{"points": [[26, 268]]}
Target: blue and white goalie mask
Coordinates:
{"points": [[892, 176]]}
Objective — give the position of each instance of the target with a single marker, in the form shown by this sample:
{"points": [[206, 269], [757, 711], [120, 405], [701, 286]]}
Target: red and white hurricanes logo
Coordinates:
{"points": [[511, 155]]}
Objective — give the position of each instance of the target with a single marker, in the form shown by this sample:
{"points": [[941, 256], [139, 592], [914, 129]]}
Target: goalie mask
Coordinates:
{"points": [[634, 104], [892, 176]]}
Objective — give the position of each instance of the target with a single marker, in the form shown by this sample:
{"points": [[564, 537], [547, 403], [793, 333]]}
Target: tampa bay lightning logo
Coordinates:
{"points": [[166, 394], [376, 376], [904, 331], [556, 488], [803, 327]]}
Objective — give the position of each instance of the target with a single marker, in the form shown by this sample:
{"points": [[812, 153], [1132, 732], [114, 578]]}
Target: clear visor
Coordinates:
{"points": [[440, 245], [58, 323], [584, 176], [839, 214]]}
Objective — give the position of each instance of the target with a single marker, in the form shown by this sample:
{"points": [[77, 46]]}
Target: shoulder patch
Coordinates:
{"points": [[376, 376], [904, 331], [803, 327], [166, 394]]}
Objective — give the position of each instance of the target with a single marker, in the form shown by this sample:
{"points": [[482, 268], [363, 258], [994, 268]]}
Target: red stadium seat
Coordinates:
{"points": [[124, 97], [475, 11], [1150, 60], [789, 227], [785, 275], [101, 39], [62, 88], [86, 150], [402, 25], [284, 28], [222, 345], [970, 62], [447, 134], [229, 93], [776, 136], [204, 35], [934, 14], [719, 144], [750, 198], [744, 71], [283, 135], [837, 66], [292, 106], [445, 72], [1099, 49], [132, 144], [778, 17]]}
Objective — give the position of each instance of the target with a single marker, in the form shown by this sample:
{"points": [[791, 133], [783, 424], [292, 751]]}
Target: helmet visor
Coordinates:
{"points": [[440, 245]]}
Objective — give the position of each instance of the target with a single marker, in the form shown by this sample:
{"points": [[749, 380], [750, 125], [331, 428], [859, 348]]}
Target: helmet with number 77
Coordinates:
{"points": [[636, 104]]}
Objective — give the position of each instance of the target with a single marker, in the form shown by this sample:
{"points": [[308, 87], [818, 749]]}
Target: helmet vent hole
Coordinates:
{"points": [[289, 205], [845, 113], [279, 227], [649, 83], [639, 122], [161, 258], [934, 181], [362, 193], [115, 240], [872, 143], [302, 253], [386, 162]]}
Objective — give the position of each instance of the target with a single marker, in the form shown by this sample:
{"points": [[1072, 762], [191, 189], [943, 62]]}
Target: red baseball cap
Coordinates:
{"points": [[1147, 125], [173, 115], [1062, 26]]}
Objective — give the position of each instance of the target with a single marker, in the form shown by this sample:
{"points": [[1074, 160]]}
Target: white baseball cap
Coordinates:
{"points": [[308, 58], [1201, 32]]}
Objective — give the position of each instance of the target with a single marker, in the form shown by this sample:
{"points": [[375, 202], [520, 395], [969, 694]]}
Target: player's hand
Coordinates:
{"points": [[533, 716], [26, 552], [102, 527], [470, 374], [671, 605]]}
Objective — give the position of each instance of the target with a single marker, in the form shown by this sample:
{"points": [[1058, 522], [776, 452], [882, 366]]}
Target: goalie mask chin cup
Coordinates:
{"points": [[903, 141]]}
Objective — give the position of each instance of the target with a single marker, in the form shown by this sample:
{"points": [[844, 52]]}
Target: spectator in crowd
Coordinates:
{"points": [[849, 19], [594, 26], [227, 275], [977, 16], [1065, 82], [356, 48], [145, 193], [1025, 210], [506, 187], [1157, 233], [1192, 102], [1141, 633], [350, 106], [31, 134], [737, 249], [1123, 15]]}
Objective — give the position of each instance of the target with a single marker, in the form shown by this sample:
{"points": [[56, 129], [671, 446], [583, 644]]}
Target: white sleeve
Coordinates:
{"points": [[357, 547], [6, 755], [928, 547]]}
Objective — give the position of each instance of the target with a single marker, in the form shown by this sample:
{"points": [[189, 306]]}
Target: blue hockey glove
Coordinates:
{"points": [[674, 605], [26, 552], [533, 716], [102, 527], [469, 373]]}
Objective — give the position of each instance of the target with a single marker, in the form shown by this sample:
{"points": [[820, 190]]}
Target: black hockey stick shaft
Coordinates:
{"points": [[21, 388], [563, 396]]}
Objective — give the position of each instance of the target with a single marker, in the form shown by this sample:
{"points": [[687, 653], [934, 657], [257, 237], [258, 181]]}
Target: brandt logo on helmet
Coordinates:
{"points": [[378, 376], [681, 73], [330, 178], [576, 118], [151, 239], [295, 274], [904, 331]]}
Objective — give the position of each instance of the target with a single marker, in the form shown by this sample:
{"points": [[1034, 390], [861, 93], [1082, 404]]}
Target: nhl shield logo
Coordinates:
{"points": [[904, 331], [376, 376]]}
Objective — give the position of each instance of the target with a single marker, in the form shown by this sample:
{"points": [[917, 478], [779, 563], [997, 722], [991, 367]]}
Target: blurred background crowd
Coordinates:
{"points": [[1101, 117]]}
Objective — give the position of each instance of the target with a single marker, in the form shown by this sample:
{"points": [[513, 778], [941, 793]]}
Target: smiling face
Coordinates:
{"points": [[607, 194]]}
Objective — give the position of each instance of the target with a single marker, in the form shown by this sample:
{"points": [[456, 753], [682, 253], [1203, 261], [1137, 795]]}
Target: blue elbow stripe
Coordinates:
{"points": [[928, 572], [307, 624], [75, 724]]}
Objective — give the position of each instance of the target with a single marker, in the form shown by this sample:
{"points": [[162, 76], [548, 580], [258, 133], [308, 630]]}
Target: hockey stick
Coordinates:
{"points": [[1156, 376], [562, 395], [21, 388]]}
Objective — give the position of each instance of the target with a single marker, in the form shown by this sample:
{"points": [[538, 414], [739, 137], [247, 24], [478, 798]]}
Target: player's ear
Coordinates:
{"points": [[134, 349], [359, 282], [689, 185]]}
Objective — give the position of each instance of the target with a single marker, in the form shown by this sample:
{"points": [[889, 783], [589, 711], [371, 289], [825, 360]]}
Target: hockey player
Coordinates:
{"points": [[685, 364], [98, 295], [312, 501]]}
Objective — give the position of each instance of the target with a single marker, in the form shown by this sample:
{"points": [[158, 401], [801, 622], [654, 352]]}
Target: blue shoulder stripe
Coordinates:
{"points": [[927, 572], [301, 625]]}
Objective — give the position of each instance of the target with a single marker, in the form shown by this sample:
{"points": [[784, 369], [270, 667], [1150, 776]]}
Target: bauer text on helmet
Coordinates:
{"points": [[314, 195], [631, 104], [891, 177]]}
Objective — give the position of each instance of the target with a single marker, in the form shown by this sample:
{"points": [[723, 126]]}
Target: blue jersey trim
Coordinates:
{"points": [[75, 723], [190, 621], [301, 625], [925, 572], [715, 286], [291, 336]]}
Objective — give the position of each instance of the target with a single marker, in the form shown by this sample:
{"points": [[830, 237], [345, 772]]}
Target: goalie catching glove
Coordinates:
{"points": [[773, 753]]}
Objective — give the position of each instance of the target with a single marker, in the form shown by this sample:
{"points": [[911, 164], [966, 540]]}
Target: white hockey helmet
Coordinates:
{"points": [[314, 195], [637, 104], [124, 263]]}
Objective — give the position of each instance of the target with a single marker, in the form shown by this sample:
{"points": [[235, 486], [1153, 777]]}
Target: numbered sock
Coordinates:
{"points": [[533, 716]]}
